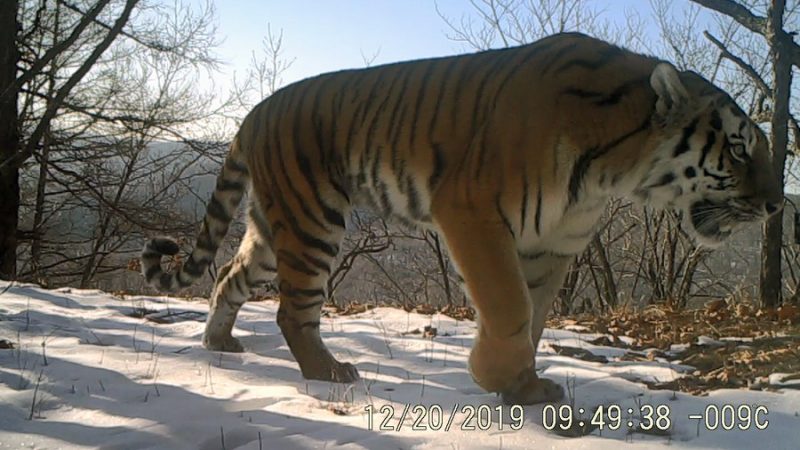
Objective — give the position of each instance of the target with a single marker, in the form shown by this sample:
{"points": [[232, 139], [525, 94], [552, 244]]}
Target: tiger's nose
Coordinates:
{"points": [[773, 208]]}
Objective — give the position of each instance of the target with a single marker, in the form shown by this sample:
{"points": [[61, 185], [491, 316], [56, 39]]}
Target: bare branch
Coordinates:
{"points": [[73, 80], [57, 49], [738, 13]]}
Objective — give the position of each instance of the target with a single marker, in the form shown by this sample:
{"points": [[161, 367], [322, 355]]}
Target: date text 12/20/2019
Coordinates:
{"points": [[653, 417], [611, 417], [436, 418]]}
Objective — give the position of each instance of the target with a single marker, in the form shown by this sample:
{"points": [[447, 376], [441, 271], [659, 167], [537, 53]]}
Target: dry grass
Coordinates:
{"points": [[751, 344]]}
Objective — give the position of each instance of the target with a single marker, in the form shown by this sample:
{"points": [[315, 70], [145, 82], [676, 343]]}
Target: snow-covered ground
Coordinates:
{"points": [[85, 373]]}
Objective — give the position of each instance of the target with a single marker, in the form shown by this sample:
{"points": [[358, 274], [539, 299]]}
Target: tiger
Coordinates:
{"points": [[510, 155]]}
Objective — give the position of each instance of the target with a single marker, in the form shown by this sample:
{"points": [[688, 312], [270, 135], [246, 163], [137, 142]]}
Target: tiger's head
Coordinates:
{"points": [[714, 164]]}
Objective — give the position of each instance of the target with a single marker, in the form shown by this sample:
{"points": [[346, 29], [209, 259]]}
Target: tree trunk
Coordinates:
{"points": [[610, 292], [440, 258], [9, 140], [770, 280]]}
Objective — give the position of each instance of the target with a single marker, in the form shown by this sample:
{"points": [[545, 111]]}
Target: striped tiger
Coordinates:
{"points": [[509, 154]]}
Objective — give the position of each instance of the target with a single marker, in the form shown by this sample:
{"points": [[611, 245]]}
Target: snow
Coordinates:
{"points": [[121, 382]]}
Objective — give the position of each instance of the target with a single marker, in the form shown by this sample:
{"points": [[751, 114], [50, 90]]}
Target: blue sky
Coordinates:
{"points": [[326, 35]]}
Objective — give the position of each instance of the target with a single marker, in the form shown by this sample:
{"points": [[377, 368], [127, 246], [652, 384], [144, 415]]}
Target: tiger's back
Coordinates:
{"points": [[509, 154], [388, 136]]}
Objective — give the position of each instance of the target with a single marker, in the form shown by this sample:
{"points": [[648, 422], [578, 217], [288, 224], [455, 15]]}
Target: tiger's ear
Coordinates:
{"points": [[673, 103]]}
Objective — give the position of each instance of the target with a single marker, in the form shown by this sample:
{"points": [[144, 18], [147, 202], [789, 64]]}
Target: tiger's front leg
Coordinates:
{"points": [[484, 251], [544, 273]]}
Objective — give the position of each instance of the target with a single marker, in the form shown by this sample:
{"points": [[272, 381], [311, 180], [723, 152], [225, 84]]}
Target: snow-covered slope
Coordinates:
{"points": [[84, 372]]}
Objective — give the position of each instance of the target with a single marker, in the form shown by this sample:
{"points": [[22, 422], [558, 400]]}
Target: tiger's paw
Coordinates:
{"points": [[335, 371], [531, 389], [223, 344]]}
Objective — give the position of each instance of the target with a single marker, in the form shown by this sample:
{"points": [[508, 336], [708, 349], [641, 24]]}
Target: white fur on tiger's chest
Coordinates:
{"points": [[566, 232]]}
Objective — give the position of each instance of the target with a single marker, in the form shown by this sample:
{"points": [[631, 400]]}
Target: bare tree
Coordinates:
{"points": [[14, 158], [9, 139], [98, 90], [265, 74]]}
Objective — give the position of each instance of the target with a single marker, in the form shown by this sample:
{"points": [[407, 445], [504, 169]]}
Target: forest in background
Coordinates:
{"points": [[106, 141]]}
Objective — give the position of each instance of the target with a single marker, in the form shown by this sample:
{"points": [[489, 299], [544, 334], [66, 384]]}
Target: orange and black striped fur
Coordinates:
{"points": [[509, 154]]}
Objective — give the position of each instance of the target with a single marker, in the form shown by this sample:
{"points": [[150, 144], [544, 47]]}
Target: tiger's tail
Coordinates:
{"points": [[231, 184]]}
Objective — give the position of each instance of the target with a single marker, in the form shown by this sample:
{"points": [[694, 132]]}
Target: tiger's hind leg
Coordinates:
{"points": [[252, 267], [305, 247], [303, 269]]}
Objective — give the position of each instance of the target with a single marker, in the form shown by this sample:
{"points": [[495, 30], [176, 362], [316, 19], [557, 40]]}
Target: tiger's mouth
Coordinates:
{"points": [[714, 221]]}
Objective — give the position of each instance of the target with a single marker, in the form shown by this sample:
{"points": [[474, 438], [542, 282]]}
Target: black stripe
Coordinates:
{"points": [[349, 88], [604, 57], [330, 148], [216, 210], [716, 120], [585, 160], [581, 93], [538, 218], [234, 165], [295, 263], [193, 268], [440, 98], [533, 51], [301, 234], [664, 180], [455, 107], [339, 188], [616, 95], [288, 290], [301, 200], [277, 227], [536, 255], [229, 185], [304, 306], [601, 98], [151, 272], [483, 151], [421, 91], [555, 57], [299, 197], [582, 63], [376, 121], [683, 145], [266, 267], [354, 126], [524, 207], [260, 222], [500, 58], [502, 214], [316, 115], [317, 262], [331, 215], [204, 240], [719, 178], [438, 166], [358, 115], [413, 199], [540, 280], [395, 126]]}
